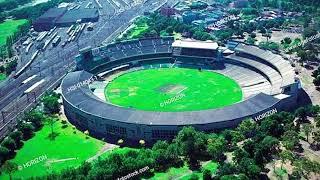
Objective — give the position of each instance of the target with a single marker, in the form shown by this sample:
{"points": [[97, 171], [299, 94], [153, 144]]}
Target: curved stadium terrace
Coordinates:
{"points": [[267, 81]]}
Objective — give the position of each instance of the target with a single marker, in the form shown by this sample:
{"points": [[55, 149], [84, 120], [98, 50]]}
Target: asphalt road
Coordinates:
{"points": [[52, 64]]}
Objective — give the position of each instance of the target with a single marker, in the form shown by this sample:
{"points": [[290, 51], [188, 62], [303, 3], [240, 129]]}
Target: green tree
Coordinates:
{"points": [[169, 30], [36, 118], [271, 126], [51, 121], [284, 156], [269, 45], [51, 103], [287, 40], [249, 146], [9, 168], [295, 175], [192, 144], [17, 137], [4, 154], [264, 150], [250, 40], [10, 67], [9, 143], [165, 155], [317, 121], [316, 137], [316, 81], [227, 169], [239, 154], [249, 167], [224, 34], [302, 55], [193, 177], [313, 111], [216, 147], [307, 129], [237, 136], [248, 128], [27, 130], [290, 139], [308, 32], [253, 35], [206, 174]]}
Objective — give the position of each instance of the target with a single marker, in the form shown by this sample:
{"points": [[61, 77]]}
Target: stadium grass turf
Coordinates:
{"points": [[8, 28], [67, 150], [173, 89]]}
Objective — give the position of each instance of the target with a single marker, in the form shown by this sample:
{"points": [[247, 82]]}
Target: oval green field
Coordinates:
{"points": [[172, 89]]}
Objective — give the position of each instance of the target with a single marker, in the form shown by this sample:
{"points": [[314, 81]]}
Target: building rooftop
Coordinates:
{"points": [[188, 43], [75, 14], [53, 13]]}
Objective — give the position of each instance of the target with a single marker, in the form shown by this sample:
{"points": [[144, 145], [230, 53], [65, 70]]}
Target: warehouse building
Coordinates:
{"points": [[48, 20], [70, 17], [61, 17]]}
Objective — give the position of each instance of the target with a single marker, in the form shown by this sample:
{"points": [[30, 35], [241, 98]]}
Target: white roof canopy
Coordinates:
{"points": [[34, 86], [188, 43]]}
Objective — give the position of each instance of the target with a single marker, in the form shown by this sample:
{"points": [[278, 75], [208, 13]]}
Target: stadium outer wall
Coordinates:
{"points": [[107, 121]]}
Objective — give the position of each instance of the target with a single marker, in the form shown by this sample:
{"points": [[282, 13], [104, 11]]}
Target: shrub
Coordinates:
{"points": [[17, 137], [4, 153], [27, 130], [193, 177], [9, 144], [36, 118], [206, 174]]}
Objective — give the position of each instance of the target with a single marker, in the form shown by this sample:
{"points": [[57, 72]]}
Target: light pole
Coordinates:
{"points": [[3, 116]]}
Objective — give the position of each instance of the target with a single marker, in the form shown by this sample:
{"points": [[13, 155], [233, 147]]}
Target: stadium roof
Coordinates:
{"points": [[84, 100], [188, 43]]}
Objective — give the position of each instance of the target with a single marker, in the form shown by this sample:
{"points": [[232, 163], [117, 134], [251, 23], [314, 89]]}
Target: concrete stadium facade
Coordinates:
{"points": [[264, 96]]}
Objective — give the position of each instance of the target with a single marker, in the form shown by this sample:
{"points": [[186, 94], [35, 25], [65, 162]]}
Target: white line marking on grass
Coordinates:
{"points": [[61, 160], [182, 90]]}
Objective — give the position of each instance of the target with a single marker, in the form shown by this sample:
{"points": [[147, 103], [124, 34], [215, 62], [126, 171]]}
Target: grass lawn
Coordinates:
{"points": [[177, 35], [248, 17], [118, 150], [172, 173], [211, 166], [173, 89], [67, 150], [2, 77], [293, 44], [8, 27], [184, 173], [136, 31], [279, 172]]}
